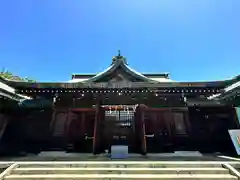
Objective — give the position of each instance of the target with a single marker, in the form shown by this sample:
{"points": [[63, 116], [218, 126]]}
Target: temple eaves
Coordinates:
{"points": [[10, 92]]}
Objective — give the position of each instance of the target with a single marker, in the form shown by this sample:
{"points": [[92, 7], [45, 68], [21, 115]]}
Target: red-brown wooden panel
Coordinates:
{"points": [[58, 124], [83, 109]]}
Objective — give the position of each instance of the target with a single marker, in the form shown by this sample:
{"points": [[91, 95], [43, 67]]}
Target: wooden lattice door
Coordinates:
{"points": [[119, 128]]}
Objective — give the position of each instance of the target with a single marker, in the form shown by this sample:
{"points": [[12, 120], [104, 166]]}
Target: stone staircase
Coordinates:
{"points": [[118, 170]]}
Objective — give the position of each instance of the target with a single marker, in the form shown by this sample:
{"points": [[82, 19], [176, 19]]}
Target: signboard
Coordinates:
{"points": [[235, 137], [114, 84]]}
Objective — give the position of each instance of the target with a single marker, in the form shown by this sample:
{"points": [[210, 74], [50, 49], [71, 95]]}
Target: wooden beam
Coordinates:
{"points": [[83, 109]]}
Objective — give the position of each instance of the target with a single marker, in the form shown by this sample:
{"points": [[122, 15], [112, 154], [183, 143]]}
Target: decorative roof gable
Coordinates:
{"points": [[119, 68]]}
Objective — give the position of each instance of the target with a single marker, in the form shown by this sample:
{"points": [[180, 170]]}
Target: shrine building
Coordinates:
{"points": [[148, 112]]}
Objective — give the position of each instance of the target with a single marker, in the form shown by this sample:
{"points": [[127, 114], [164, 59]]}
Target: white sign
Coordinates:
{"points": [[235, 137]]}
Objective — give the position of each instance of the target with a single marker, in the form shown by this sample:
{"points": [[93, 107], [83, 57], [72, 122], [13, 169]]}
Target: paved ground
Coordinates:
{"points": [[61, 156]]}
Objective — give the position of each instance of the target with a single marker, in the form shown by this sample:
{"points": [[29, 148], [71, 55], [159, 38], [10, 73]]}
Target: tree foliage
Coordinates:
{"points": [[10, 76]]}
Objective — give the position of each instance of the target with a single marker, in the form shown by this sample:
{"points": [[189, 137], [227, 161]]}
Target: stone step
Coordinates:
{"points": [[119, 164], [53, 170], [122, 176]]}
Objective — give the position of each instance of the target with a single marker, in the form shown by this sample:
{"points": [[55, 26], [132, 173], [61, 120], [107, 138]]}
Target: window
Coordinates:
{"points": [[124, 117]]}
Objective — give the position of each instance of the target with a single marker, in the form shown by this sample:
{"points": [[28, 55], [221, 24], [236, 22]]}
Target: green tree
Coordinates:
{"points": [[10, 76]]}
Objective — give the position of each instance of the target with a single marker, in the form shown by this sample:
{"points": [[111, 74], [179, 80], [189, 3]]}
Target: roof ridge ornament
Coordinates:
{"points": [[119, 53], [118, 58]]}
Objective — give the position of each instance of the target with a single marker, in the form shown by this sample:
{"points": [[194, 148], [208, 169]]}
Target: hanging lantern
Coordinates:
{"points": [[128, 110], [110, 109], [135, 107], [54, 99], [185, 99]]}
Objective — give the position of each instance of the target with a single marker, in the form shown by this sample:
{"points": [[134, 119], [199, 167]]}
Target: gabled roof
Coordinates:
{"points": [[119, 62], [118, 66]]}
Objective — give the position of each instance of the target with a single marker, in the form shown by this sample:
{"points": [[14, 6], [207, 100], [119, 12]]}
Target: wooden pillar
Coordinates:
{"points": [[3, 124], [143, 131], [158, 122], [82, 124], [140, 130], [236, 117], [168, 121], [52, 123], [98, 129], [67, 124], [187, 121], [95, 132]]}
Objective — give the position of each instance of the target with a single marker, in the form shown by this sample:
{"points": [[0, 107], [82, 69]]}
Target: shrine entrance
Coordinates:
{"points": [[119, 126]]}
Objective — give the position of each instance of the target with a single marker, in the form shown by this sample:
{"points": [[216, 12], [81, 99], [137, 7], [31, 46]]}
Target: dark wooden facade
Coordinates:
{"points": [[118, 106], [149, 130]]}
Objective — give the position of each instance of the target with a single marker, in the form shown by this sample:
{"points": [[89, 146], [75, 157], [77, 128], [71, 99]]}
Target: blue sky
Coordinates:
{"points": [[48, 40]]}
